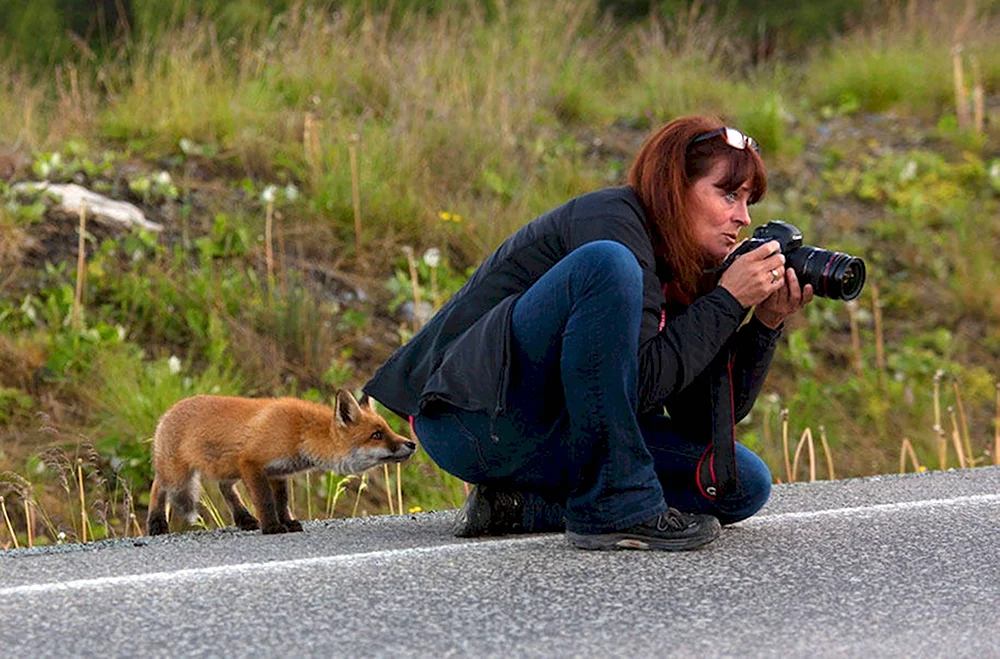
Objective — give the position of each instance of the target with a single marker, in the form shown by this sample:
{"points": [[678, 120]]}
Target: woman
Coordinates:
{"points": [[545, 378]]}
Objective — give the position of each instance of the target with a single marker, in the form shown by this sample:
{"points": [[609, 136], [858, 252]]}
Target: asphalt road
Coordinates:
{"points": [[888, 566]]}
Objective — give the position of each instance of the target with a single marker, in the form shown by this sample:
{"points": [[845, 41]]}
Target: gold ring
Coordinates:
{"points": [[775, 275]]}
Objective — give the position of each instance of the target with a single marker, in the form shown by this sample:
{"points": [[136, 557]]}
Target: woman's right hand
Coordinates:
{"points": [[753, 277]]}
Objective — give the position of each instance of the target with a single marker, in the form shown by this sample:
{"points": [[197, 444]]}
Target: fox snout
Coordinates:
{"points": [[403, 451], [364, 458]]}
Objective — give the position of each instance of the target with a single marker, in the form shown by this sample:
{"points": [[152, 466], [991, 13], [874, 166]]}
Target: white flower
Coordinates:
{"points": [[163, 178], [29, 309], [268, 194], [291, 192], [44, 169], [995, 169], [55, 160], [174, 364], [121, 333], [188, 146], [909, 171], [432, 257]]}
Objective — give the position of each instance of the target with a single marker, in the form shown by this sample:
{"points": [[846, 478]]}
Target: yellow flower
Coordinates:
{"points": [[415, 509], [449, 217], [922, 468]]}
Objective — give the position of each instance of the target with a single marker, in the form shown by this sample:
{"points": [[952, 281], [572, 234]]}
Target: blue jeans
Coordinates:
{"points": [[569, 437]]}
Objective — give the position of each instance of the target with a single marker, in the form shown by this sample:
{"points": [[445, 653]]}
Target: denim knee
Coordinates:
{"points": [[609, 263]]}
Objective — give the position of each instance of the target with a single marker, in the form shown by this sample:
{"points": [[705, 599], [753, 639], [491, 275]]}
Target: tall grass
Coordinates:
{"points": [[457, 110], [903, 63], [462, 109], [23, 118]]}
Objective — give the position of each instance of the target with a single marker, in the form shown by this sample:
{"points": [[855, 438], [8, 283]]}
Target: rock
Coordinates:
{"points": [[99, 208], [408, 313]]}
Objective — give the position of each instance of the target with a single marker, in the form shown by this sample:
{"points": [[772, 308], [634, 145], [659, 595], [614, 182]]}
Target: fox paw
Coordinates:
{"points": [[157, 526], [293, 526], [247, 524], [276, 528]]}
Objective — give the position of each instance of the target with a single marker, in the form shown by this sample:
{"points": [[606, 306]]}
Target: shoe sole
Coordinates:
{"points": [[622, 540]]}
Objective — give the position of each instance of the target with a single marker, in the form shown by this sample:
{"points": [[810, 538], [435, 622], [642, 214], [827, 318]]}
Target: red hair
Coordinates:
{"points": [[664, 171]]}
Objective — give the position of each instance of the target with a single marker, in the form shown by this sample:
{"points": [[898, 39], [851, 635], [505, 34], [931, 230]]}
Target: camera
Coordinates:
{"points": [[833, 275]]}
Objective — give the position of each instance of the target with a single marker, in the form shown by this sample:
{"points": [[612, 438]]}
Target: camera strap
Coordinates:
{"points": [[716, 471]]}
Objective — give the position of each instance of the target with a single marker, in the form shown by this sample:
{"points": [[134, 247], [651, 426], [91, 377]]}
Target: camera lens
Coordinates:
{"points": [[834, 275], [849, 275]]}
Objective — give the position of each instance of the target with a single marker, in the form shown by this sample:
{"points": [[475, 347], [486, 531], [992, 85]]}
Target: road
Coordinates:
{"points": [[885, 566]]}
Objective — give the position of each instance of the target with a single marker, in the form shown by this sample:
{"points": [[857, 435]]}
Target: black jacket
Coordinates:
{"points": [[688, 357]]}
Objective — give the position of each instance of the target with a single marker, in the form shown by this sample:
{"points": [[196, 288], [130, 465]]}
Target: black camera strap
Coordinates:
{"points": [[716, 471]]}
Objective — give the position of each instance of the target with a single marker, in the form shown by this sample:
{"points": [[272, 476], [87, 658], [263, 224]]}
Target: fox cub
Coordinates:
{"points": [[261, 441]]}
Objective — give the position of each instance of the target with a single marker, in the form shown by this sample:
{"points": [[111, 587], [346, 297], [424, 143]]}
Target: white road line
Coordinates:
{"points": [[876, 508], [198, 574]]}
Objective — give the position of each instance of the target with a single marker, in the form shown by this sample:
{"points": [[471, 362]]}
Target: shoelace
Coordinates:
{"points": [[673, 520]]}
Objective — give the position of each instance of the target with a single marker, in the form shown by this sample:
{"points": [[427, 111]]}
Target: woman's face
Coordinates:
{"points": [[718, 214]]}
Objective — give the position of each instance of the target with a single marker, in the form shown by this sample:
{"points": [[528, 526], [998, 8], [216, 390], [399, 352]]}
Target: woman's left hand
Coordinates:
{"points": [[784, 302]]}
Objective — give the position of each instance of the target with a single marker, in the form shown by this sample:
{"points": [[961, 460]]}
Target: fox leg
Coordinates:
{"points": [[156, 518], [184, 500], [280, 487], [263, 498], [242, 518]]}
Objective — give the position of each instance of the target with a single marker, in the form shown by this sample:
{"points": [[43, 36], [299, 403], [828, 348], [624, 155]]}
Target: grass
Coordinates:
{"points": [[464, 124], [904, 63]]}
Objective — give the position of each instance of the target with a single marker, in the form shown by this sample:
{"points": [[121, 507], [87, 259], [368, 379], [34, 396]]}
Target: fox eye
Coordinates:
{"points": [[377, 435]]}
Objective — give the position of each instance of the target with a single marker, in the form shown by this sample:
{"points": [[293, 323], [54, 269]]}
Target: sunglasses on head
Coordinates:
{"points": [[733, 137]]}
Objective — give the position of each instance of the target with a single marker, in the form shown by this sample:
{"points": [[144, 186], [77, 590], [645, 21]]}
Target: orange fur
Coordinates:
{"points": [[261, 441]]}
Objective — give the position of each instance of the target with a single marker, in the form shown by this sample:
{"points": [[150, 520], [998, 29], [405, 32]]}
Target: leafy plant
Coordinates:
{"points": [[155, 188], [13, 403]]}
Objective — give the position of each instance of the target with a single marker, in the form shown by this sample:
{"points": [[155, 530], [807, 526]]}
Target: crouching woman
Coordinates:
{"points": [[546, 378]]}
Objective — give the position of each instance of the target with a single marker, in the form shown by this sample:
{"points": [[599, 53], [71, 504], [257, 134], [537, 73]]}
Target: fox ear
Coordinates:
{"points": [[346, 410], [366, 402]]}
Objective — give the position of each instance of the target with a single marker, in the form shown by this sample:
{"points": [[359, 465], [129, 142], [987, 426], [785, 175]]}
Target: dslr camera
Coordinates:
{"points": [[833, 275]]}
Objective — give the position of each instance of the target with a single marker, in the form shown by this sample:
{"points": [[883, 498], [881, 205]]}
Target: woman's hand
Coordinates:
{"points": [[784, 302], [757, 276]]}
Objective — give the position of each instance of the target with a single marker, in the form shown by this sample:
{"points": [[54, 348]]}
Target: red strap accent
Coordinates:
{"points": [[711, 467], [663, 312]]}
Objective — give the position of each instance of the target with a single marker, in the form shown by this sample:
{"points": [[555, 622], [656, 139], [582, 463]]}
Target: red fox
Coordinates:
{"points": [[261, 441]]}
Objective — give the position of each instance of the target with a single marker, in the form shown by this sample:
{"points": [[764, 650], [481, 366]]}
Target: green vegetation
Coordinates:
{"points": [[456, 126]]}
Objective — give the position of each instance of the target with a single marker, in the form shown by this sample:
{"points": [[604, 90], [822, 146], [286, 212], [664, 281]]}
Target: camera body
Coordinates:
{"points": [[833, 275], [787, 235]]}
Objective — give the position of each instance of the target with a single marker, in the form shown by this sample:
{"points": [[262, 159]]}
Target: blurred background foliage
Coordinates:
{"points": [[44, 31]]}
